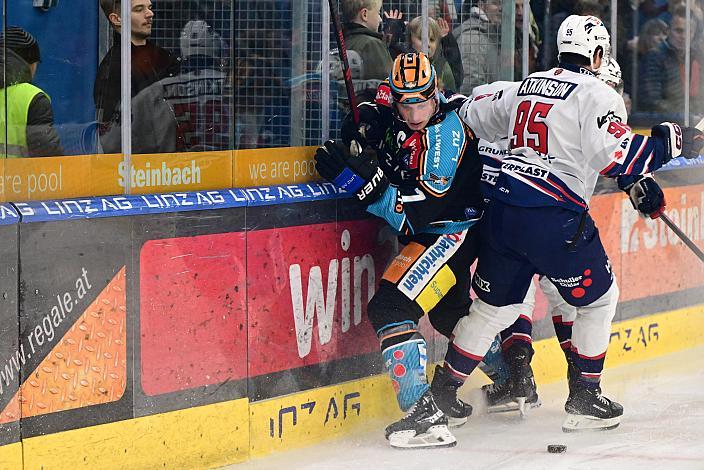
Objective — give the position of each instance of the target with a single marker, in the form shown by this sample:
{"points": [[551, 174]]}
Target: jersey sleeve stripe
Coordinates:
{"points": [[639, 158]]}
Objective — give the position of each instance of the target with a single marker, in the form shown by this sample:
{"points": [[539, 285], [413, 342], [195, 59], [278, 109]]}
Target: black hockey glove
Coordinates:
{"points": [[454, 102], [645, 194], [684, 142], [371, 128], [692, 142], [359, 175]]}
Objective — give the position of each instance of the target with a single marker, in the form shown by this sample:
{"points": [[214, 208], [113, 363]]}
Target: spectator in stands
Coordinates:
{"points": [[662, 83], [653, 9], [150, 63], [446, 80], [479, 39], [26, 116], [361, 30], [189, 112], [450, 49]]}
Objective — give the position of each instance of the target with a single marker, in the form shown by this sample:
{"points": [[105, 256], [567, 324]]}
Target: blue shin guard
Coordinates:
{"points": [[406, 362]]}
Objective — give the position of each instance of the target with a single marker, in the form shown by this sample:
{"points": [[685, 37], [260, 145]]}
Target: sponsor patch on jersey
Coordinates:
{"points": [[521, 168], [404, 260], [436, 289], [429, 263], [383, 95], [572, 281], [413, 146], [546, 87], [481, 283]]}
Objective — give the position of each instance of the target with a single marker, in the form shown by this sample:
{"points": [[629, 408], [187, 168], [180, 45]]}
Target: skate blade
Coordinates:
{"points": [[456, 422], [578, 423], [435, 437], [512, 406]]}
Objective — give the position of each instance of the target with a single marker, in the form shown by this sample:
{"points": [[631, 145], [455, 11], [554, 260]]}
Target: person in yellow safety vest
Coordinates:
{"points": [[26, 118]]}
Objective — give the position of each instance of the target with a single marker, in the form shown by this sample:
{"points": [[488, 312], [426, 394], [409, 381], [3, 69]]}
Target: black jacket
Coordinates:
{"points": [[150, 64]]}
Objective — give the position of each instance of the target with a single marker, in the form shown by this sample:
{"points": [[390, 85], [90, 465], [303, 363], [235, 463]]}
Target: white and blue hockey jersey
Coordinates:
{"points": [[564, 128]]}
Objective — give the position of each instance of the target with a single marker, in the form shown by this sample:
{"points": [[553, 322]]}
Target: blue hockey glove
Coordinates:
{"points": [[645, 194], [359, 175]]}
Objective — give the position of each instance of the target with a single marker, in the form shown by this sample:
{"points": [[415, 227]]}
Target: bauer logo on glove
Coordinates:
{"points": [[359, 175]]}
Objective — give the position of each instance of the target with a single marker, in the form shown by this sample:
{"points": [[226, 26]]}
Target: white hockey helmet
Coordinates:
{"points": [[610, 73], [582, 35], [199, 39]]}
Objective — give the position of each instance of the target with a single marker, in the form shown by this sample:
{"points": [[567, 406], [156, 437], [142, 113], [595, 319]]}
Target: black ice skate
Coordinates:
{"points": [[588, 409], [519, 393], [425, 425], [445, 392]]}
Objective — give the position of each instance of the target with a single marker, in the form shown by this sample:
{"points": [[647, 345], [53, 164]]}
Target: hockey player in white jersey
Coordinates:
{"points": [[565, 128], [198, 95], [508, 360]]}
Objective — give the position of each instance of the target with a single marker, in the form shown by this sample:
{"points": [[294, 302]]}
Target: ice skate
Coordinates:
{"points": [[445, 393], [588, 409], [424, 426], [519, 392], [499, 400]]}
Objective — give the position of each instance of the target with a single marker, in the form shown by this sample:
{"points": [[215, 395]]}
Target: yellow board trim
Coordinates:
{"points": [[230, 432], [11, 455], [272, 166], [32, 179], [202, 437]]}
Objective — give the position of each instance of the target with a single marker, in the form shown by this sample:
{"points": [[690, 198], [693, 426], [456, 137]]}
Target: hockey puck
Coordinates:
{"points": [[557, 448]]}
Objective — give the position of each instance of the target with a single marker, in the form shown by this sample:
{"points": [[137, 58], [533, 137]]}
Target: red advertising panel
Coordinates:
{"points": [[192, 312], [308, 288]]}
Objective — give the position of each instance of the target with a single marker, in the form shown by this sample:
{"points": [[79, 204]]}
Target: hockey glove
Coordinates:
{"points": [[359, 175], [645, 194], [454, 102], [671, 134], [692, 142], [370, 130]]}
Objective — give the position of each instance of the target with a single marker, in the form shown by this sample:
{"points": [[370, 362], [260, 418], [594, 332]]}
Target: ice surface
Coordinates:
{"points": [[662, 427]]}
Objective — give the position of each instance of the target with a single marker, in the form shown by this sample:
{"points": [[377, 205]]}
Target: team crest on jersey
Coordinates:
{"points": [[558, 71], [608, 117], [440, 180]]}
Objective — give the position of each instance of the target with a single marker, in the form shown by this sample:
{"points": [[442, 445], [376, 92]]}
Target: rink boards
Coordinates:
{"points": [[204, 328]]}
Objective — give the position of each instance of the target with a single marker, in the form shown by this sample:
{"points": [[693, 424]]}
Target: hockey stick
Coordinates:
{"points": [[687, 241], [342, 49]]}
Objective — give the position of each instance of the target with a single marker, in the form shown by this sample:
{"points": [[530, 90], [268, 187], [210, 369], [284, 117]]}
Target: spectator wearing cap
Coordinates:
{"points": [[150, 63], [26, 118]]}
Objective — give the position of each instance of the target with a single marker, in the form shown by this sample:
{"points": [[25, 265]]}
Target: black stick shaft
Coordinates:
{"points": [[687, 241], [342, 49]]}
